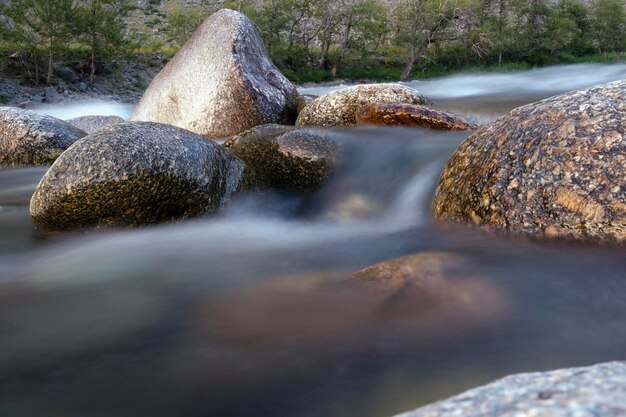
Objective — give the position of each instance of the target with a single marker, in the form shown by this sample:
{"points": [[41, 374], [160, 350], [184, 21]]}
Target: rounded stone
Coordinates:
{"points": [[134, 174], [221, 82], [31, 138], [597, 390], [300, 160], [395, 114], [554, 168], [90, 124], [339, 108]]}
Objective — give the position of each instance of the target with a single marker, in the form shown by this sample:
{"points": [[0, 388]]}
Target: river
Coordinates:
{"points": [[221, 316]]}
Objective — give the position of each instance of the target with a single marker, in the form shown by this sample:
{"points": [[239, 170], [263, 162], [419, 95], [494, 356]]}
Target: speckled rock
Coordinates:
{"points": [[135, 174], [554, 168], [339, 108], [394, 114], [220, 83], [304, 100], [581, 392], [30, 138], [300, 160], [90, 124]]}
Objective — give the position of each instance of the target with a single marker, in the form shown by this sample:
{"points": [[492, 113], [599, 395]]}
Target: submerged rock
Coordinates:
{"points": [[30, 138], [135, 174], [554, 168], [395, 114], [423, 295], [220, 83], [591, 391], [281, 157], [339, 108], [90, 124]]}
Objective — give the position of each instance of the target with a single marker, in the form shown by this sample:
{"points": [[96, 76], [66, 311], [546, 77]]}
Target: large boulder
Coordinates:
{"points": [[299, 160], [394, 114], [597, 390], [220, 83], [90, 124], [339, 108], [135, 174], [30, 138], [554, 168]]}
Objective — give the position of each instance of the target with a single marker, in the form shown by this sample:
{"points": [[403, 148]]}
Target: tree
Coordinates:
{"points": [[45, 23], [101, 27], [609, 24]]}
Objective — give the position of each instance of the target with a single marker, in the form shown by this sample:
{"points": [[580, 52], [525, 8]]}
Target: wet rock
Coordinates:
{"points": [[394, 114], [91, 124], [554, 168], [427, 294], [30, 138], [135, 174], [281, 157], [339, 108], [220, 83], [597, 390]]}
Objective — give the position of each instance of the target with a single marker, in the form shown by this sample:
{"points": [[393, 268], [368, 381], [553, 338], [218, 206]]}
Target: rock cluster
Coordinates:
{"points": [[221, 82], [554, 168], [339, 108], [591, 391], [30, 138]]}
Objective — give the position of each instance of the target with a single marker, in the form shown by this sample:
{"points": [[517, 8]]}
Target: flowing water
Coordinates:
{"points": [[234, 315]]}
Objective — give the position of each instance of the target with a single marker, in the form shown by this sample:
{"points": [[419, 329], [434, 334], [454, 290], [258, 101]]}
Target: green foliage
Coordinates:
{"points": [[5, 98]]}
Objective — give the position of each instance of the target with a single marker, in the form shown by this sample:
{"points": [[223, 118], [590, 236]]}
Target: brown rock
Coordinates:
{"points": [[220, 83], [410, 115], [554, 168], [339, 108], [90, 124]]}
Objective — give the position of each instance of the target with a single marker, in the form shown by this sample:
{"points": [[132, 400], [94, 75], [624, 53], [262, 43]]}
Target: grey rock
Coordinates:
{"points": [[222, 82], [592, 391], [51, 95], [300, 160], [339, 108], [82, 86], [555, 168], [91, 124], [31, 138], [134, 174]]}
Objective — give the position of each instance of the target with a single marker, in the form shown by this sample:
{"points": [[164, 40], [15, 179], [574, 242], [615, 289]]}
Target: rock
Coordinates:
{"points": [[597, 390], [222, 82], [554, 168], [90, 124], [135, 174], [82, 87], [304, 100], [31, 138], [339, 108], [281, 157], [66, 74], [410, 115], [420, 296], [51, 95]]}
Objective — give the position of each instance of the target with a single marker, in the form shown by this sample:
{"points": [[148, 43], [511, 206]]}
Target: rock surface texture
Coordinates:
{"points": [[593, 391], [90, 124], [30, 138], [220, 83], [135, 174], [554, 168], [392, 114], [300, 160], [339, 108]]}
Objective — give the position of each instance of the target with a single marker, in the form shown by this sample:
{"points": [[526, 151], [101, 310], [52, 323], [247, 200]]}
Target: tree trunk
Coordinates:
{"points": [[49, 76], [409, 65], [92, 69]]}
